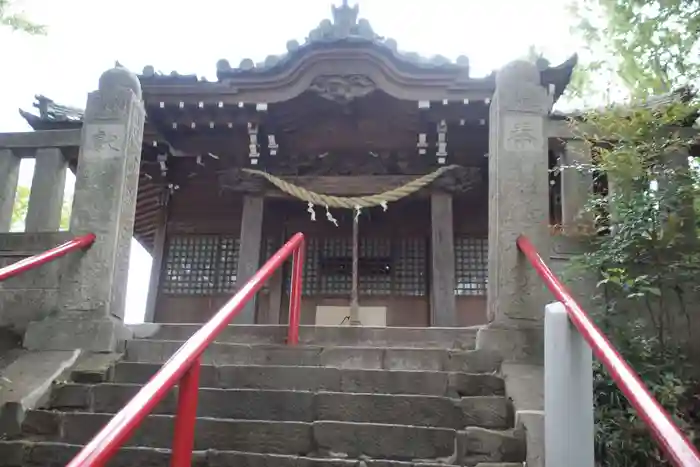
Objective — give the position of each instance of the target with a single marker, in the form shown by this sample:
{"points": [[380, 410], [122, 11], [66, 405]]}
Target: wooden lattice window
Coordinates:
{"points": [[385, 267], [410, 266], [201, 265], [310, 284], [471, 265]]}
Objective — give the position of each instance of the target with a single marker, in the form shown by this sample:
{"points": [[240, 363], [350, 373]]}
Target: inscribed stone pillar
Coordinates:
{"points": [[46, 197], [442, 284], [577, 185], [91, 303], [518, 195], [249, 252], [9, 176]]}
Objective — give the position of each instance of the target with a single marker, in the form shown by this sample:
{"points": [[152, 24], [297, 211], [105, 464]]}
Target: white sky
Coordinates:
{"points": [[86, 36]]}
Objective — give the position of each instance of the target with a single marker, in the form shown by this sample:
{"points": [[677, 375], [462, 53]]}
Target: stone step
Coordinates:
{"points": [[361, 336], [316, 439], [46, 454], [482, 445], [303, 406], [469, 361], [301, 378]]}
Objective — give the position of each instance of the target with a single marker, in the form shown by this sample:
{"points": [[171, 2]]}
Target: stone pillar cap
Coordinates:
{"points": [[518, 71], [120, 77]]}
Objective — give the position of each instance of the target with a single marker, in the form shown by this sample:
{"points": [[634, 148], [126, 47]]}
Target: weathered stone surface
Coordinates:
{"points": [[486, 411], [532, 423], [26, 384], [391, 409], [76, 331], [30, 296], [524, 344], [473, 361], [466, 385], [483, 445], [518, 193], [156, 431], [20, 307], [524, 385], [140, 373], [394, 382], [398, 442], [94, 367], [279, 377], [47, 454], [305, 406]]}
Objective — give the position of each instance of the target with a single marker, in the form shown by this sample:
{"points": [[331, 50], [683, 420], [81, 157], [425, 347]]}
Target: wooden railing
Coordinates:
{"points": [[562, 446], [184, 366]]}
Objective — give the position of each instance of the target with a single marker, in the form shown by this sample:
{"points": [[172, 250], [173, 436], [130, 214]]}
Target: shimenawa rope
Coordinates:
{"points": [[353, 202]]}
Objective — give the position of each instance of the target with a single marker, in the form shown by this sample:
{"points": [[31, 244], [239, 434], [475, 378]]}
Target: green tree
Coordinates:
{"points": [[19, 211], [17, 21], [643, 47], [648, 270]]}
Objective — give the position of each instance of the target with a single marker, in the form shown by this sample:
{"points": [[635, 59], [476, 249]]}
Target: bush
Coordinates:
{"points": [[621, 438], [645, 253]]}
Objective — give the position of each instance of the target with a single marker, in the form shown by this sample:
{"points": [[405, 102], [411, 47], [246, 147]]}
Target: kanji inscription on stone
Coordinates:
{"points": [[105, 140], [523, 133]]}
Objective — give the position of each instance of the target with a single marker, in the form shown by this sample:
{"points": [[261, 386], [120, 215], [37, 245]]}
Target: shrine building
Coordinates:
{"points": [[228, 168]]}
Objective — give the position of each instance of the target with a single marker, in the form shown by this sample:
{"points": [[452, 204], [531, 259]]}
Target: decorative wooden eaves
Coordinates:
{"points": [[341, 59]]}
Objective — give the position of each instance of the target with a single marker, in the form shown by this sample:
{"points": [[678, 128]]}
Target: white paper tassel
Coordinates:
{"points": [[330, 217], [310, 210]]}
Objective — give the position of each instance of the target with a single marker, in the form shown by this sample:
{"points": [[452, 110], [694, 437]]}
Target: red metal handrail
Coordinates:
{"points": [[677, 447], [35, 261], [184, 366]]}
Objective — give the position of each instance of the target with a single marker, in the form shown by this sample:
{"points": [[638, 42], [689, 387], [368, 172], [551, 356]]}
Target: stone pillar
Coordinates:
{"points": [[576, 187], [442, 284], [9, 176], [518, 195], [90, 308], [249, 252], [46, 197]]}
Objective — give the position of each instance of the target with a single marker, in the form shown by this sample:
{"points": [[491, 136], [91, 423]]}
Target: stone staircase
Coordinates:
{"points": [[381, 397]]}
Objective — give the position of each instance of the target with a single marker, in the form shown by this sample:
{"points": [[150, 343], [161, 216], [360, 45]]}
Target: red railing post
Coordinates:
{"points": [[295, 295], [672, 441], [186, 417]]}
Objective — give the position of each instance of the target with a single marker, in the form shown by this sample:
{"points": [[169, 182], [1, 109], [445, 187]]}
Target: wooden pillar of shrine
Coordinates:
{"points": [[156, 264], [249, 257], [442, 291], [577, 186]]}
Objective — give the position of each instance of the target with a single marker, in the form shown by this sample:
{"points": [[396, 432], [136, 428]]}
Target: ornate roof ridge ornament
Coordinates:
{"points": [[344, 18], [346, 24]]}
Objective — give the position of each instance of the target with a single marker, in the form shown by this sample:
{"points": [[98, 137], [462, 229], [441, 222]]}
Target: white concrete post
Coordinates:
{"points": [[568, 392]]}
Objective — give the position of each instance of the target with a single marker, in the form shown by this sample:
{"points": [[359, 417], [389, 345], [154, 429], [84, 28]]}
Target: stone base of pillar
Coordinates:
{"points": [[523, 343], [66, 332]]}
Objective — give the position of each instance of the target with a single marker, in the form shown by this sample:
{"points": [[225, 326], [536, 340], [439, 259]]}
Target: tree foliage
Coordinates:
{"points": [[17, 21], [646, 257], [644, 47]]}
